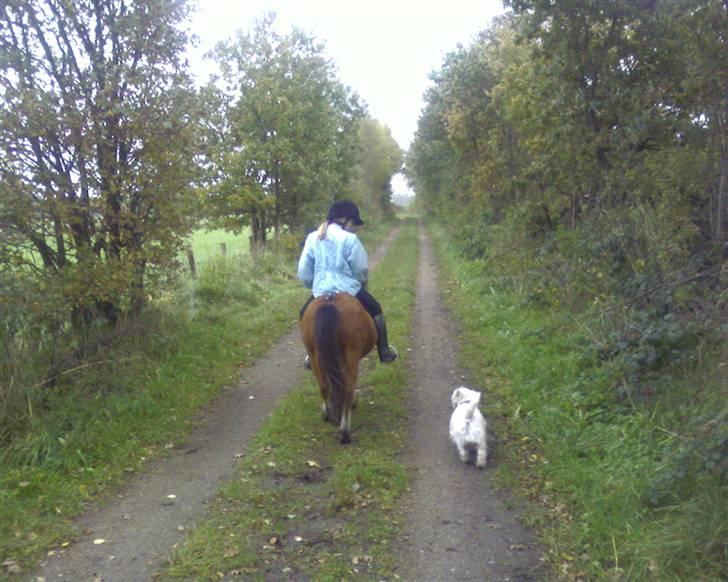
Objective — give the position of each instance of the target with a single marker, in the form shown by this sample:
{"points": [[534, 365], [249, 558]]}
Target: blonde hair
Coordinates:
{"points": [[322, 230], [324, 227]]}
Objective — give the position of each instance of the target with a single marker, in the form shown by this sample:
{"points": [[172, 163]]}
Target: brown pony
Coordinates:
{"points": [[337, 333]]}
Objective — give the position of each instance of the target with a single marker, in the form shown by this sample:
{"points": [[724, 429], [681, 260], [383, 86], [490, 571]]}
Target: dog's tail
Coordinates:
{"points": [[472, 406]]}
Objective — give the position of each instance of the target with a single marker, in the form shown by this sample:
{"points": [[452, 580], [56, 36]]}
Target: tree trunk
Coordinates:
{"points": [[277, 211], [258, 237], [722, 210], [138, 299]]}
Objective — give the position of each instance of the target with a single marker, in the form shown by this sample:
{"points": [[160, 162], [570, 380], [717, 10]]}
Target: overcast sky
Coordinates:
{"points": [[384, 50]]}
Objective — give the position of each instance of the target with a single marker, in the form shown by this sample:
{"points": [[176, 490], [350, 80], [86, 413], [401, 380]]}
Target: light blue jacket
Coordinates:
{"points": [[333, 264]]}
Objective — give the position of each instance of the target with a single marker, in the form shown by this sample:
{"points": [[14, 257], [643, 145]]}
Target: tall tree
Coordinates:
{"points": [[637, 82], [380, 158], [97, 145], [432, 164], [291, 143]]}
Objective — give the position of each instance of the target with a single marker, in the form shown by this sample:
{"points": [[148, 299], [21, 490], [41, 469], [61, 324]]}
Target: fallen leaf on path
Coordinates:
{"points": [[312, 464], [242, 571], [99, 541], [11, 567]]}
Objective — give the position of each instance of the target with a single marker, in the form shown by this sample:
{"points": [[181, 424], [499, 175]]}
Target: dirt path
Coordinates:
{"points": [[460, 528], [141, 525]]}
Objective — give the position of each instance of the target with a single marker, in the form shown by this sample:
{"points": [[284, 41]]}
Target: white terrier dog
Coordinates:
{"points": [[467, 425]]}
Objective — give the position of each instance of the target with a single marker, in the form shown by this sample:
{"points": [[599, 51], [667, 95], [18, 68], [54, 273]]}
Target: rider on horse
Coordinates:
{"points": [[334, 261]]}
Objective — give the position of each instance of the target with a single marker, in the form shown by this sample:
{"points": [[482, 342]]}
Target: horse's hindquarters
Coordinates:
{"points": [[337, 332]]}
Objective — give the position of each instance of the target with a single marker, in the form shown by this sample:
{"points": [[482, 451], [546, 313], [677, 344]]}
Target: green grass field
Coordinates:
{"points": [[206, 243]]}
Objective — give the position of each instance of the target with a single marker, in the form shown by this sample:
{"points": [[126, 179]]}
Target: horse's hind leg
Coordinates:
{"points": [[346, 425], [324, 390]]}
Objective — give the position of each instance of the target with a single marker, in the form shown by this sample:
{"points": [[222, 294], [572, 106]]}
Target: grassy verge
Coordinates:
{"points": [[595, 464], [303, 505], [109, 416]]}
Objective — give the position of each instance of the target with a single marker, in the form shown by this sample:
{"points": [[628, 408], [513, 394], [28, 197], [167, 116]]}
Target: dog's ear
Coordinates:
{"points": [[456, 397]]}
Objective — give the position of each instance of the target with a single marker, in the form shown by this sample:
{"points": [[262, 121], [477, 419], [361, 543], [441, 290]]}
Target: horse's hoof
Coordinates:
{"points": [[345, 438]]}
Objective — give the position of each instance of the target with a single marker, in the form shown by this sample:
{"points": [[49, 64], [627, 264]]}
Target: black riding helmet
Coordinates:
{"points": [[345, 209]]}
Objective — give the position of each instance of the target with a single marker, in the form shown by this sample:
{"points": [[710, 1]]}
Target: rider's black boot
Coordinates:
{"points": [[386, 352]]}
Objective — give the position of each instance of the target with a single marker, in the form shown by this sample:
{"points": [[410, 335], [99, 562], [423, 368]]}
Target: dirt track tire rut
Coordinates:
{"points": [[459, 526]]}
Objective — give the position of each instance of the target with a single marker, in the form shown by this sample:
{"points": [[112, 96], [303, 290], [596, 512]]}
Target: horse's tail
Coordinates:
{"points": [[329, 354]]}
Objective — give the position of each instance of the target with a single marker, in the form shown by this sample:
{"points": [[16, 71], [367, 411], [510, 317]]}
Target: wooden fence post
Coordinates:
{"points": [[191, 261]]}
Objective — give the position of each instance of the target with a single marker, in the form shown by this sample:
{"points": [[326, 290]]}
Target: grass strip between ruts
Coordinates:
{"points": [[302, 504]]}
